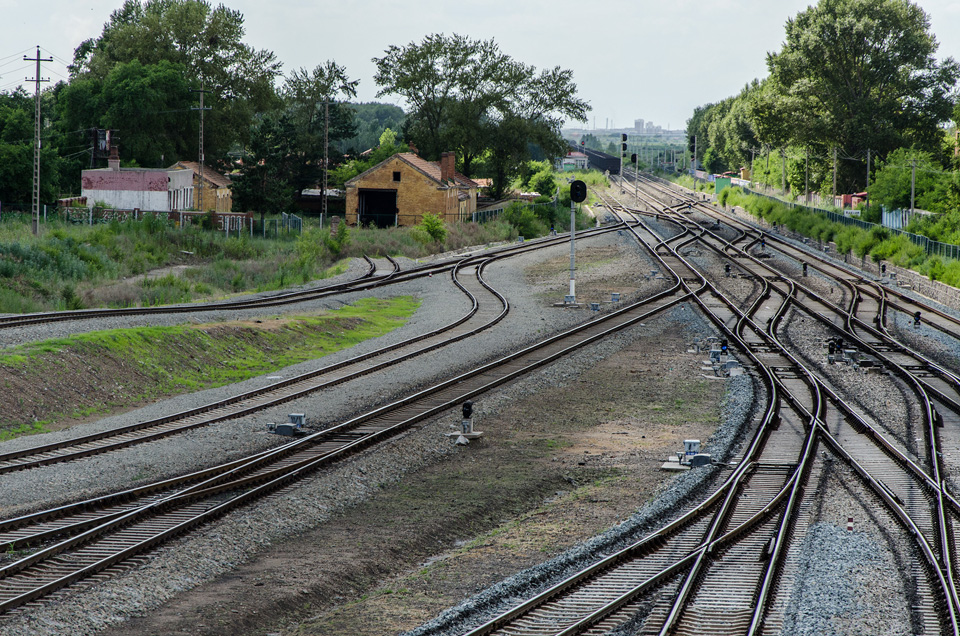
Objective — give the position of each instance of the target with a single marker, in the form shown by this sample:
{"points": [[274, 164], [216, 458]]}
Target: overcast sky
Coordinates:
{"points": [[649, 59]]}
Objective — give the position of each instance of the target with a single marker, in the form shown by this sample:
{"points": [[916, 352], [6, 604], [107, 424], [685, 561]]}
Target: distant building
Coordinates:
{"points": [[404, 187], [573, 161], [215, 194], [147, 189], [638, 125]]}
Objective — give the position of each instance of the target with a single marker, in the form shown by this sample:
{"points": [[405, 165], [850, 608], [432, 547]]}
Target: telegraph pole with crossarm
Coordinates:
{"points": [[36, 141]]}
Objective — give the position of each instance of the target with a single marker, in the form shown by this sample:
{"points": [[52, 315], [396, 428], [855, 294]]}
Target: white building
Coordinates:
{"points": [[147, 189]]}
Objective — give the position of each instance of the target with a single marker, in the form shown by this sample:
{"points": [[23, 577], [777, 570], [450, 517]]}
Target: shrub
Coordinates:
{"points": [[525, 220], [434, 227]]}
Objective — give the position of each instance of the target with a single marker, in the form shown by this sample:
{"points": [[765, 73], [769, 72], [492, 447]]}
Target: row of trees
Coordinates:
{"points": [[142, 76], [853, 77]]}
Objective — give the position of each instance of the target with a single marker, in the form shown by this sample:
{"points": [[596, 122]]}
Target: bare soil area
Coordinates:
{"points": [[554, 469]]}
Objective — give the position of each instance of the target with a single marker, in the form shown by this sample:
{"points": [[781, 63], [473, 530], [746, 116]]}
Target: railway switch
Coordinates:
{"points": [[293, 428]]}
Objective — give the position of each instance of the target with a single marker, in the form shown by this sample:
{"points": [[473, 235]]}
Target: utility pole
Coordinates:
{"points": [[806, 178], [913, 182], [36, 141], [783, 172], [326, 158], [867, 189], [834, 173], [201, 109], [694, 154]]}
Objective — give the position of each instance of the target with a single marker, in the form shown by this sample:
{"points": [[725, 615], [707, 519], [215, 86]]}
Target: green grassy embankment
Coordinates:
{"points": [[55, 383]]}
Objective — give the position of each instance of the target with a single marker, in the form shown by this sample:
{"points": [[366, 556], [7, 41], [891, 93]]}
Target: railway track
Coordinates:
{"points": [[89, 537], [487, 308], [720, 568]]}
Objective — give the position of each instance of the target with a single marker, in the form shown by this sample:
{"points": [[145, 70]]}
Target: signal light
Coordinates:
{"points": [[623, 136], [467, 409], [633, 158], [578, 191]]}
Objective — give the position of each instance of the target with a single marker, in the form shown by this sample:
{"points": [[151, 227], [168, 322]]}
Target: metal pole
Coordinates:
{"points": [[783, 175], [694, 154], [913, 182], [326, 149], [199, 199], [834, 172], [806, 178], [868, 178], [573, 250], [36, 142]]}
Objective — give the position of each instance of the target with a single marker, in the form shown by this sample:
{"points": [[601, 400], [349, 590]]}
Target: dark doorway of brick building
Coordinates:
{"points": [[377, 208]]}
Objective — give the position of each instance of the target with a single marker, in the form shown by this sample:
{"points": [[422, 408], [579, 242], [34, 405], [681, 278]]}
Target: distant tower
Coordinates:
{"points": [[638, 125]]}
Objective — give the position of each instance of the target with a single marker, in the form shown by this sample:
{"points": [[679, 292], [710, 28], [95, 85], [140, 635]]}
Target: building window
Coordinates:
{"points": [[396, 176]]}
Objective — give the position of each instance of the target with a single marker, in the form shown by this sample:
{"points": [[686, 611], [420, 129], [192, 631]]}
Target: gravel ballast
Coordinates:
{"points": [[220, 546]]}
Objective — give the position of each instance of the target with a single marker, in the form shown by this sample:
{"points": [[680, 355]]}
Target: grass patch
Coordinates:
{"points": [[95, 372]]}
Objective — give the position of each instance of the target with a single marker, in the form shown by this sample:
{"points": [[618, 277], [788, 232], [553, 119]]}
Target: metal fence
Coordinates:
{"points": [[931, 247], [492, 213]]}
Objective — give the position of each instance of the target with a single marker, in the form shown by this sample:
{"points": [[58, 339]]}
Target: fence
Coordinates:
{"points": [[928, 245], [492, 213], [230, 223]]}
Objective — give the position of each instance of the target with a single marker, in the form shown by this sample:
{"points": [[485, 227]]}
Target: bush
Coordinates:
{"points": [[526, 221], [434, 226]]}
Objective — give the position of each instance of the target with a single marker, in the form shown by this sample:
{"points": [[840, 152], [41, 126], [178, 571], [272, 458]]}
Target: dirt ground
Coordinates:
{"points": [[556, 469]]}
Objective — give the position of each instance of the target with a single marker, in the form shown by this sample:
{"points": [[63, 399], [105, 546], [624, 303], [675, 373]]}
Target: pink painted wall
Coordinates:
{"points": [[136, 180]]}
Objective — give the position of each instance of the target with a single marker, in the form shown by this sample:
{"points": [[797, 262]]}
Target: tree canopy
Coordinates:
{"points": [[204, 44], [467, 95], [851, 75], [287, 151]]}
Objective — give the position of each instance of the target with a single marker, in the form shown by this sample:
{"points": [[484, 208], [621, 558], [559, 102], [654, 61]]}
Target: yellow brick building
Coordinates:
{"points": [[215, 194], [401, 189]]}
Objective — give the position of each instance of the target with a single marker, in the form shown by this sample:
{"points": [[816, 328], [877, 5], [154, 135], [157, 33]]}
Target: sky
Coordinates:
{"points": [[631, 59]]}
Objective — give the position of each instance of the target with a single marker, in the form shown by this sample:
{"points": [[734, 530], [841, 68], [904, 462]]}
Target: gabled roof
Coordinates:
{"points": [[429, 169], [209, 174]]}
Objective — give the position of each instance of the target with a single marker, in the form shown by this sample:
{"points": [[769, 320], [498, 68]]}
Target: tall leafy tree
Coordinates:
{"points": [[206, 43], [467, 95], [287, 152], [16, 154], [858, 75]]}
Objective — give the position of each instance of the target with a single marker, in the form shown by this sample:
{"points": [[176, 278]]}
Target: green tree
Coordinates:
{"points": [[388, 138], [16, 154], [150, 105], [891, 181], [858, 75], [264, 184], [310, 99], [372, 119], [206, 43], [468, 96]]}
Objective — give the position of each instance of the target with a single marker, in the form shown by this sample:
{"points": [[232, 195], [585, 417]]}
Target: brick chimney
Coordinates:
{"points": [[448, 166], [113, 163], [413, 148]]}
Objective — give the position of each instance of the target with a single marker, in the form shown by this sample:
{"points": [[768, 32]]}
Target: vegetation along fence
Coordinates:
{"points": [[928, 245], [934, 248]]}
